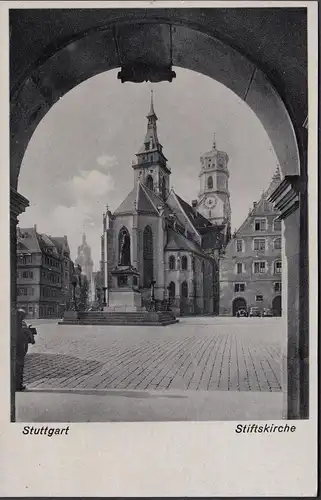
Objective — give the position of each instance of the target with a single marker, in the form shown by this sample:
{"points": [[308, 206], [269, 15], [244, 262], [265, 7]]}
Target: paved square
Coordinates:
{"points": [[205, 353]]}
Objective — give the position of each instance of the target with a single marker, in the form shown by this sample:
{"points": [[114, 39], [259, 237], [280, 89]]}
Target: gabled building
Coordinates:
{"points": [[251, 267], [41, 282], [163, 239]]}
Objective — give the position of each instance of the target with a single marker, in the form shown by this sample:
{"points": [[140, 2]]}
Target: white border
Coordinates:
{"points": [[158, 459]]}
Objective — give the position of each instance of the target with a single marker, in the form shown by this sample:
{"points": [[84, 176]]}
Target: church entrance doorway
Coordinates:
{"points": [[277, 305], [237, 304]]}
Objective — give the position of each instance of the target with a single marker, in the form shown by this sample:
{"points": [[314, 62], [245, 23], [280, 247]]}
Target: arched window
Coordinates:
{"points": [[150, 182], [184, 290], [278, 267], [171, 290], [184, 263], [148, 256], [172, 262], [277, 244], [124, 247], [210, 182]]}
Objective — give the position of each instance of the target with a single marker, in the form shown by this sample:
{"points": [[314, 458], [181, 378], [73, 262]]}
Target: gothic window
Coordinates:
{"points": [[172, 262], [171, 290], [210, 182], [124, 247], [148, 256], [184, 263], [184, 290], [150, 182]]}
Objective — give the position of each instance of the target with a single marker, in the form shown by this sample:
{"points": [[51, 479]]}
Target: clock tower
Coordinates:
{"points": [[214, 197]]}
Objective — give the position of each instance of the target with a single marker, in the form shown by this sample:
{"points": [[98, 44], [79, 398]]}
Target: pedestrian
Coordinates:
{"points": [[25, 336]]}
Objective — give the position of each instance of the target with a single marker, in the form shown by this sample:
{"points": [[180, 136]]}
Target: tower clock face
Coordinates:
{"points": [[210, 201]]}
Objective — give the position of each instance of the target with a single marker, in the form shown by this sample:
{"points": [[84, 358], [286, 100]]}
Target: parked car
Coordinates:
{"points": [[267, 312], [255, 311], [242, 312]]}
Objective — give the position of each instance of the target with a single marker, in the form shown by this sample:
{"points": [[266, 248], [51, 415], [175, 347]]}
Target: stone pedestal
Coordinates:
{"points": [[124, 300], [124, 296]]}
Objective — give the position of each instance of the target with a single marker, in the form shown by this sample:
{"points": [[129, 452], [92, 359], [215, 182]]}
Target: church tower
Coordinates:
{"points": [[214, 196], [151, 167]]}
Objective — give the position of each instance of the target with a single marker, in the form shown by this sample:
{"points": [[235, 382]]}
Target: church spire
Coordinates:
{"points": [[214, 142], [152, 111]]}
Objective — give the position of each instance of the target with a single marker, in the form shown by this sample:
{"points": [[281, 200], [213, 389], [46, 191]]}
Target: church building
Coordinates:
{"points": [[157, 243]]}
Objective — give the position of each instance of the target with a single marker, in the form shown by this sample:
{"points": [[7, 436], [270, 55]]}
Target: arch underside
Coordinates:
{"points": [[158, 45]]}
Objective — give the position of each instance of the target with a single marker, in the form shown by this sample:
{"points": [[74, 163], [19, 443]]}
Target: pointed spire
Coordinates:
{"points": [[152, 111], [214, 141]]}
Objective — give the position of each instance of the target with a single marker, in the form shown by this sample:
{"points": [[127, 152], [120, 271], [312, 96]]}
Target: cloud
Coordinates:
{"points": [[91, 185], [107, 161]]}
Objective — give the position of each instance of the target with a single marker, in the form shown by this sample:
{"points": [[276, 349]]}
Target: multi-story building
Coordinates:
{"points": [[66, 271], [40, 274], [251, 267]]}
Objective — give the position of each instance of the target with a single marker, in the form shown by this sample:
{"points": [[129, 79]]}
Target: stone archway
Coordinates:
{"points": [[72, 46], [237, 303]]}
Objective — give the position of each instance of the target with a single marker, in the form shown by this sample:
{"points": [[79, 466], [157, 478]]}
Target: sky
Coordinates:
{"points": [[79, 157]]}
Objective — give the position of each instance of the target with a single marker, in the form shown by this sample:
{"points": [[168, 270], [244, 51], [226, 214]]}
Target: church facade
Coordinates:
{"points": [[157, 243]]}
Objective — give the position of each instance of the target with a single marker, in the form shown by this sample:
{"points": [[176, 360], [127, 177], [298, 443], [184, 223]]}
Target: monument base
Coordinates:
{"points": [[70, 315], [124, 300]]}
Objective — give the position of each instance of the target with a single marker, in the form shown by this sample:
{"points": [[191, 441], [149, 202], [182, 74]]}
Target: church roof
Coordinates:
{"points": [[177, 241], [141, 199], [197, 219]]}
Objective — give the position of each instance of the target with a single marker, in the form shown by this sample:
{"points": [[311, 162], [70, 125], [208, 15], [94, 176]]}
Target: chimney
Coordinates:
{"points": [[254, 204], [35, 227]]}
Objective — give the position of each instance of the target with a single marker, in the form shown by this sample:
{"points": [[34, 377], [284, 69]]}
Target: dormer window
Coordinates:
{"points": [[147, 146]]}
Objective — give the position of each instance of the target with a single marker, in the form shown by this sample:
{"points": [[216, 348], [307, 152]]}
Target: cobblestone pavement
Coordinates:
{"points": [[226, 354]]}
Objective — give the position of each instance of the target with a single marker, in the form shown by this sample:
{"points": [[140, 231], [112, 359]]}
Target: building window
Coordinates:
{"points": [[259, 244], [239, 287], [277, 287], [239, 245], [184, 290], [27, 274], [278, 244], [171, 290], [150, 182], [210, 182], [259, 298], [239, 268], [266, 206], [172, 262], [259, 267], [260, 225], [184, 263], [276, 225], [277, 267]]}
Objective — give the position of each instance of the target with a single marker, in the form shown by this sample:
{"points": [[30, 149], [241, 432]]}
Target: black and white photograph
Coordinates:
{"points": [[160, 215]]}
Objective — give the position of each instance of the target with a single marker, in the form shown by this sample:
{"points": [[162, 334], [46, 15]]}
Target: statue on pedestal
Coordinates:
{"points": [[124, 248]]}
